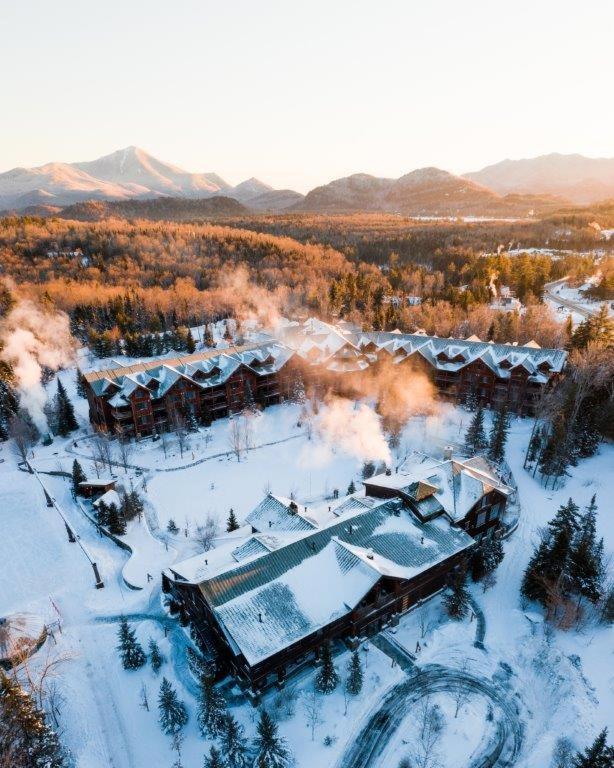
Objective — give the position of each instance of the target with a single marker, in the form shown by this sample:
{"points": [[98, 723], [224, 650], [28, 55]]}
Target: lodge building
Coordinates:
{"points": [[264, 602], [144, 399]]}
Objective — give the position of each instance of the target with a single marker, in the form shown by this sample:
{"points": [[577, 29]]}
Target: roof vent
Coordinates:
{"points": [[447, 452], [370, 554], [388, 471], [260, 618]]}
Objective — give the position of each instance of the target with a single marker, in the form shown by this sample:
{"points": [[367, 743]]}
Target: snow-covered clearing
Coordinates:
{"points": [[561, 683]]}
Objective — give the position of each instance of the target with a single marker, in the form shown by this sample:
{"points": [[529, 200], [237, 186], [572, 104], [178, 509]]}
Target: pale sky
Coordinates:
{"points": [[300, 93]]}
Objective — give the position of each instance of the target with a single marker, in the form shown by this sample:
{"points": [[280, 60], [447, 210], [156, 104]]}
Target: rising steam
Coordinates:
{"points": [[31, 338], [353, 428]]}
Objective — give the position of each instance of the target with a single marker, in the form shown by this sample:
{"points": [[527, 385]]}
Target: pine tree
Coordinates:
{"points": [[78, 476], [102, 513], [599, 755], [80, 384], [234, 743], [475, 439], [498, 435], [585, 558], [353, 684], [171, 527], [26, 739], [211, 708], [456, 600], [486, 558], [9, 402], [232, 523], [190, 344], [116, 524], [214, 760], [173, 712], [351, 488], [131, 652], [156, 659], [271, 749], [532, 586], [67, 422], [327, 677], [535, 446]]}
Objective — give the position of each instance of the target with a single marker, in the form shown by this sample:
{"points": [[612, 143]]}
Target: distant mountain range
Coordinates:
{"points": [[579, 179], [509, 188], [127, 174]]}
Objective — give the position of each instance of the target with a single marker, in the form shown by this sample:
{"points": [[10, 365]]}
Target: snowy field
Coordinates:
{"points": [[558, 683]]}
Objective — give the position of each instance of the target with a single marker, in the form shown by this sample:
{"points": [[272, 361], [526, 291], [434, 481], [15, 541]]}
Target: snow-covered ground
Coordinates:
{"points": [[566, 300], [562, 683]]}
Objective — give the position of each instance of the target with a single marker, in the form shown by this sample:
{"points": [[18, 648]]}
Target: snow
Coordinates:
{"points": [[561, 682]]}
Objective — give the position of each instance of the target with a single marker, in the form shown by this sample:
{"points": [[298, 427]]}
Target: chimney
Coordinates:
{"points": [[270, 523], [388, 471], [370, 554], [447, 452], [260, 618], [206, 561]]}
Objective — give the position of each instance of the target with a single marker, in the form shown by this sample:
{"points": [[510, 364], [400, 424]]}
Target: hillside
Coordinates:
{"points": [[424, 192], [575, 177], [164, 208]]}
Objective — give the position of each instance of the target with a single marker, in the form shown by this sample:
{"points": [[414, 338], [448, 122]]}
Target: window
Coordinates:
{"points": [[481, 519], [495, 511]]}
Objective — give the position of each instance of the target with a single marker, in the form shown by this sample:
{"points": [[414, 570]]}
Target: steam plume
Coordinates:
{"points": [[31, 338]]}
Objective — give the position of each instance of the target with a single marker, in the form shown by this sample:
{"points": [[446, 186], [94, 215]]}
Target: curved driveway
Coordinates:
{"points": [[498, 750]]}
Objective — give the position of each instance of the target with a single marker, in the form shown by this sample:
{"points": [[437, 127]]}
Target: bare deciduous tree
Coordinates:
{"points": [[206, 533], [23, 435], [235, 438], [430, 724], [180, 429], [312, 706], [125, 446], [102, 451]]}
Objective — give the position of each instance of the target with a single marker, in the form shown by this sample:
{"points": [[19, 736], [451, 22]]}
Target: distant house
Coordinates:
{"points": [[265, 604], [97, 486], [413, 301]]}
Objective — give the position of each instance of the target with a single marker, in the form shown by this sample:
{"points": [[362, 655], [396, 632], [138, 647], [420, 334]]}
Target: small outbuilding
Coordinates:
{"points": [[97, 486]]}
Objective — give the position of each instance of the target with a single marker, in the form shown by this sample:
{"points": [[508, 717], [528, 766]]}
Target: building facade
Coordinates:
{"points": [[266, 602]]}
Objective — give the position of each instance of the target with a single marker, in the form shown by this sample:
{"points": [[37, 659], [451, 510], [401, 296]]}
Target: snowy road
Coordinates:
{"points": [[498, 750]]}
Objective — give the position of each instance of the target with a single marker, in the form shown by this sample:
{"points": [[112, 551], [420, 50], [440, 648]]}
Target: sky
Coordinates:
{"points": [[298, 94]]}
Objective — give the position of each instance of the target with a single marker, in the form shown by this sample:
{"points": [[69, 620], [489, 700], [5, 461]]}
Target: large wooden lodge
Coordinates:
{"points": [[265, 601], [143, 399]]}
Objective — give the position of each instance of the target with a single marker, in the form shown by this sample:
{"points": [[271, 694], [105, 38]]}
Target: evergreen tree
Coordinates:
{"points": [[327, 677], [116, 522], [191, 421], [190, 344], [80, 383], [214, 760], [67, 422], [156, 659], [171, 527], [248, 397], [585, 558], [78, 476], [532, 586], [173, 712], [498, 435], [486, 558], [351, 488], [234, 743], [271, 749], [131, 652], [596, 329], [353, 684], [456, 600], [26, 739], [599, 755], [102, 513], [232, 523], [9, 402], [211, 708], [475, 439]]}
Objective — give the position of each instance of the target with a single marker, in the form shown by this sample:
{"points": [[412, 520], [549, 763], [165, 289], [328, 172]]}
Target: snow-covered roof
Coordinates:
{"points": [[307, 579], [108, 498], [453, 486], [206, 369]]}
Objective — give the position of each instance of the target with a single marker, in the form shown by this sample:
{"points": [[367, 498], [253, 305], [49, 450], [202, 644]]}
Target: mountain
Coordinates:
{"points": [[158, 209], [424, 192], [575, 177], [135, 168], [128, 174]]}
